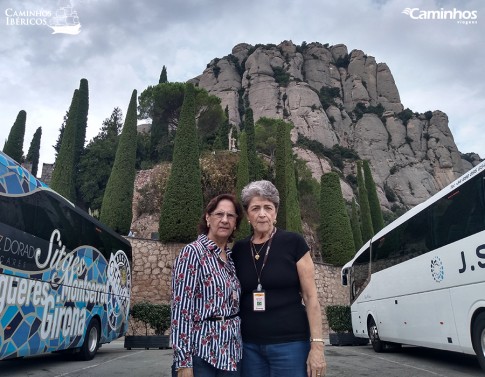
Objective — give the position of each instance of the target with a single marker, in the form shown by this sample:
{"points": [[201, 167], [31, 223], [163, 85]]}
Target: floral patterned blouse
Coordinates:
{"points": [[205, 286]]}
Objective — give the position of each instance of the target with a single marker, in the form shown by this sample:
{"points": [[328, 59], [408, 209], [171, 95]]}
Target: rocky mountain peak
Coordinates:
{"points": [[346, 99]]}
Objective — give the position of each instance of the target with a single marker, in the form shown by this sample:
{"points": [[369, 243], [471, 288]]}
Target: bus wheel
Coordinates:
{"points": [[377, 343], [91, 341], [478, 338]]}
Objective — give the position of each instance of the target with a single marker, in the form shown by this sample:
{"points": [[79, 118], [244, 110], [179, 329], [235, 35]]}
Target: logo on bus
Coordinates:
{"points": [[437, 269], [119, 280]]}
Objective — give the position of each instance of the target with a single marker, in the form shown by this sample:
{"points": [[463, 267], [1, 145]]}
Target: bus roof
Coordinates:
{"points": [[418, 208]]}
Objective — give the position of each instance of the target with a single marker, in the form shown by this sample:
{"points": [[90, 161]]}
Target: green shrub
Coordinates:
{"points": [[343, 61], [327, 96], [339, 318], [405, 115], [281, 76], [336, 154], [155, 316], [389, 193]]}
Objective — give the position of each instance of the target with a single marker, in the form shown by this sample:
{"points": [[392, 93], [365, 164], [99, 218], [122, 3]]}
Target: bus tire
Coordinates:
{"points": [[478, 338], [376, 342], [91, 341]]}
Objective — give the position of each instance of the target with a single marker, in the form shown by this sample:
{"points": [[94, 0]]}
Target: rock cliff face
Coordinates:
{"points": [[413, 155]]}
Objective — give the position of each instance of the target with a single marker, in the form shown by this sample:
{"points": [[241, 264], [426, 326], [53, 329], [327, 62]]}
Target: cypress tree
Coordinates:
{"points": [[163, 76], [355, 223], [57, 146], [289, 216], [183, 200], [15, 141], [335, 231], [375, 207], [242, 180], [280, 175], [116, 210], [254, 173], [81, 119], [34, 149], [365, 217], [222, 136], [63, 176]]}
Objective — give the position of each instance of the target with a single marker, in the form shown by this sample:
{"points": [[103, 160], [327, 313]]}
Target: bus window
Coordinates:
{"points": [[360, 274], [449, 224], [406, 241]]}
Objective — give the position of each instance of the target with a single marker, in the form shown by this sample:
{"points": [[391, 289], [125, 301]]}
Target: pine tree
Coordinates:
{"points": [[15, 141], [289, 216], [163, 76], [162, 103], [365, 217], [97, 162], [355, 222], [183, 200], [254, 173], [116, 210], [34, 151], [375, 207], [335, 231], [63, 176], [242, 180]]}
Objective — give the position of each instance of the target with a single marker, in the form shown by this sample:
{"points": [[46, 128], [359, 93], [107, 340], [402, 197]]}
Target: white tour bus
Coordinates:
{"points": [[421, 280], [65, 278]]}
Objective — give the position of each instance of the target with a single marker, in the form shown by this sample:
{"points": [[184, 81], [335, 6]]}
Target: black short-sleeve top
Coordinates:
{"points": [[285, 318]]}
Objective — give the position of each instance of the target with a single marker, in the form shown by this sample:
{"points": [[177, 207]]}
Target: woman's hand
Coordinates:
{"points": [[185, 372], [316, 364]]}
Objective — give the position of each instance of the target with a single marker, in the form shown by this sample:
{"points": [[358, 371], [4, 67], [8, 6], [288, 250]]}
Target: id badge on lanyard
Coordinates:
{"points": [[259, 301], [259, 295]]}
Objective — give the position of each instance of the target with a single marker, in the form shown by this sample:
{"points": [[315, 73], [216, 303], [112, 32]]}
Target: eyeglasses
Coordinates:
{"points": [[220, 215]]}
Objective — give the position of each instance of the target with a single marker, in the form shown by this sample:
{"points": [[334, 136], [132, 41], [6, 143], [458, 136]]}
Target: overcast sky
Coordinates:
{"points": [[122, 45]]}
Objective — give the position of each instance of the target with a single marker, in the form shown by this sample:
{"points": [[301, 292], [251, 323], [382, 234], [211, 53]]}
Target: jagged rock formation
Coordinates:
{"points": [[359, 107]]}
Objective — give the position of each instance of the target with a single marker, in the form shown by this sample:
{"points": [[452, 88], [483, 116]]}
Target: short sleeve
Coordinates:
{"points": [[301, 247]]}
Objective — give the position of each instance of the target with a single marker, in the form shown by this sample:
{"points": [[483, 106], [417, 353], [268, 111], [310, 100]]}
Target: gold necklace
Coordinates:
{"points": [[256, 252]]}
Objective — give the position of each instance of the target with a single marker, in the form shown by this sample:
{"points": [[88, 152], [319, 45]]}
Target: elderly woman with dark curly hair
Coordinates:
{"points": [[282, 336], [205, 329]]}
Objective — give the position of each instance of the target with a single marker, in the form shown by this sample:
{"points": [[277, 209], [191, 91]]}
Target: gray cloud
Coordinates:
{"points": [[123, 45]]}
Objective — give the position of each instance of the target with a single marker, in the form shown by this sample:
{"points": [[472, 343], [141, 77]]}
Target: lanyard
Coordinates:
{"points": [[258, 274]]}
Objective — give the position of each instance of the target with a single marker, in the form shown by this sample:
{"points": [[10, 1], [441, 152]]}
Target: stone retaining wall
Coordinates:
{"points": [[151, 276]]}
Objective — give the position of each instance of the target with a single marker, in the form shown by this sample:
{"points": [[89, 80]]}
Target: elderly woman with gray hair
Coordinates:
{"points": [[282, 337]]}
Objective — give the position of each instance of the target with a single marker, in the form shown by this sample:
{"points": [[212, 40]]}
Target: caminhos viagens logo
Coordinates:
{"points": [[466, 17]]}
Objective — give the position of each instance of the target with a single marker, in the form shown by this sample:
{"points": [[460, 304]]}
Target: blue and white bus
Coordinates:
{"points": [[421, 280], [65, 278]]}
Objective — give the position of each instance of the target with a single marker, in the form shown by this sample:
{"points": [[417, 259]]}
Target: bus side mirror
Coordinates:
{"points": [[344, 278]]}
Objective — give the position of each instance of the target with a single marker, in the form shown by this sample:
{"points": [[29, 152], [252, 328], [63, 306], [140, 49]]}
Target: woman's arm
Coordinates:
{"points": [[184, 280], [316, 365]]}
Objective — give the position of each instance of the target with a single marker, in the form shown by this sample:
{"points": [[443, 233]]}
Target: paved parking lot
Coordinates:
{"points": [[114, 360]]}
